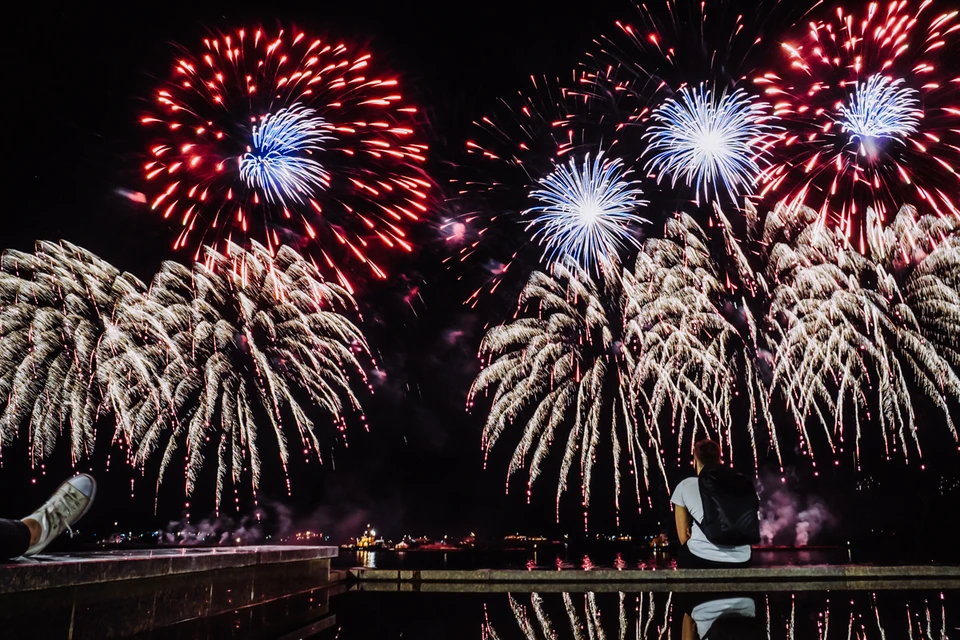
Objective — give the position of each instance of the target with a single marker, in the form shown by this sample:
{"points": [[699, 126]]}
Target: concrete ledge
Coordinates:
{"points": [[62, 570], [767, 578], [258, 601], [657, 587]]}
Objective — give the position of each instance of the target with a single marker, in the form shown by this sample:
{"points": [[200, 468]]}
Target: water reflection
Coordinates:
{"points": [[367, 559], [665, 616]]}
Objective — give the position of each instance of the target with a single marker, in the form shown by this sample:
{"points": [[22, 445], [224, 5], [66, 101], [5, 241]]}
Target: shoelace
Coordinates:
{"points": [[60, 509]]}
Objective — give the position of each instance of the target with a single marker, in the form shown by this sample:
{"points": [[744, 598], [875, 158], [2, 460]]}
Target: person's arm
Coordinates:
{"points": [[684, 523], [689, 626]]}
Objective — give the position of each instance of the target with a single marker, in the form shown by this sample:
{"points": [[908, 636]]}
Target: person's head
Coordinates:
{"points": [[706, 453]]}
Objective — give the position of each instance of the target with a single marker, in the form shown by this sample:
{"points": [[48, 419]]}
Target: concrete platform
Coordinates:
{"points": [[69, 570], [171, 593], [813, 578]]}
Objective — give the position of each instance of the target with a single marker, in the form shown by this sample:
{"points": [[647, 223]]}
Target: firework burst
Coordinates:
{"points": [[870, 101], [286, 139], [274, 165], [562, 367], [256, 339], [520, 145], [56, 324], [710, 143], [858, 335], [691, 360], [586, 212]]}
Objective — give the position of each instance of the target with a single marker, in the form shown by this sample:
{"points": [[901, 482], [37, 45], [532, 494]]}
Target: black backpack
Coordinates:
{"points": [[730, 507]]}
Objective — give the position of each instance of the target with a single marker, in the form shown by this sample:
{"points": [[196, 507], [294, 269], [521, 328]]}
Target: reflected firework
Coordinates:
{"points": [[665, 616], [286, 139]]}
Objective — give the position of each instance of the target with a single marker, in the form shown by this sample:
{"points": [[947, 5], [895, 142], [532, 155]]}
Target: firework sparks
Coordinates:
{"points": [[691, 360], [262, 339], [710, 143], [56, 323], [881, 108], [516, 148], [286, 139], [274, 167], [587, 211], [863, 333], [870, 102], [565, 360]]}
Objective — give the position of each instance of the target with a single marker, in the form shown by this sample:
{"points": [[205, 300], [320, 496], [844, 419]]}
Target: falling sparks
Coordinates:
{"points": [[799, 323], [561, 369], [57, 323], [257, 340]]}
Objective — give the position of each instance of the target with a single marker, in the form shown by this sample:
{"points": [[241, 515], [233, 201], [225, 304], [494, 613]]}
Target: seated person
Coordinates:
{"points": [[31, 535], [698, 552]]}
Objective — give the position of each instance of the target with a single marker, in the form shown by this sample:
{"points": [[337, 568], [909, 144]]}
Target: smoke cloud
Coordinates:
{"points": [[274, 520], [792, 520]]}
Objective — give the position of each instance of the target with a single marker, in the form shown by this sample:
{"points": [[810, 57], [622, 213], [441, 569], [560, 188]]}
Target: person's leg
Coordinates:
{"points": [[15, 538], [687, 560]]}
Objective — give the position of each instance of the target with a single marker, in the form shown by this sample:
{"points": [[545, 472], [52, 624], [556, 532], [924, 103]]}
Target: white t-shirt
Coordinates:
{"points": [[687, 495], [705, 614]]}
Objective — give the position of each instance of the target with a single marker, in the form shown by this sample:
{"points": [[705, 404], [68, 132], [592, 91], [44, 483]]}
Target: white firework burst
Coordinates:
{"points": [[858, 335], [711, 143], [881, 108], [262, 339], [588, 212], [691, 360], [56, 324], [562, 368]]}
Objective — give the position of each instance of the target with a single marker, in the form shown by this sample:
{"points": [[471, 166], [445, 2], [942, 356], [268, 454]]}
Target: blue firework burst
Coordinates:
{"points": [[587, 211], [278, 163], [710, 143], [881, 108]]}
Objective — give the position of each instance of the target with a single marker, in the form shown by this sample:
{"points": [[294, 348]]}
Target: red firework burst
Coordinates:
{"points": [[873, 120], [331, 149]]}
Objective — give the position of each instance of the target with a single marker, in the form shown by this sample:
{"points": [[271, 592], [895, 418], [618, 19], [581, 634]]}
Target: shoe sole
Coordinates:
{"points": [[92, 496]]}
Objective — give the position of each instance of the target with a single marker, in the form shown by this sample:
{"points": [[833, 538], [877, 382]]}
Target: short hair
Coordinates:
{"points": [[707, 452]]}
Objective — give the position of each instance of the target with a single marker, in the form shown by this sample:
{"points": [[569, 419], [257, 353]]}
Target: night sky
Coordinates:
{"points": [[76, 82]]}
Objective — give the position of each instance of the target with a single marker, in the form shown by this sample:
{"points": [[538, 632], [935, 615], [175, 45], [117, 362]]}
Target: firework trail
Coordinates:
{"points": [[286, 139], [562, 366], [586, 212], [712, 143], [871, 105], [261, 339], [56, 324]]}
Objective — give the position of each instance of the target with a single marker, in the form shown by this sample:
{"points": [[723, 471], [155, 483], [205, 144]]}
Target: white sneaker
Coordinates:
{"points": [[62, 510]]}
